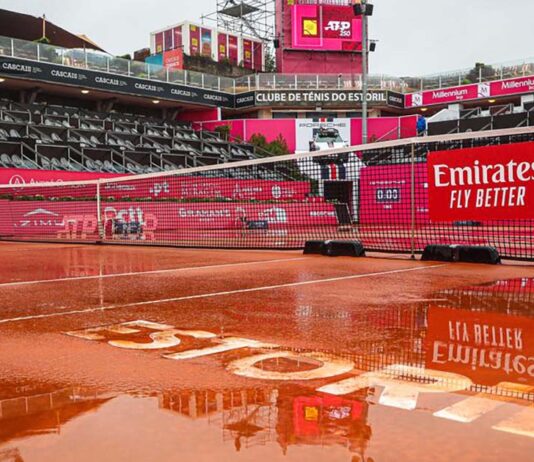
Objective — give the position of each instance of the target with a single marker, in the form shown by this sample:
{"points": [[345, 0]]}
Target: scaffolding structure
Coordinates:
{"points": [[255, 18]]}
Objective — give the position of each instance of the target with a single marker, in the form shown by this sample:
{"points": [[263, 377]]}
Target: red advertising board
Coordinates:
{"points": [[383, 128], [205, 35], [168, 37], [73, 219], [222, 46], [178, 41], [194, 40], [233, 49], [445, 95], [22, 176], [325, 27], [174, 59], [258, 56], [512, 86], [386, 191], [315, 416], [514, 286], [471, 92], [182, 187], [175, 187], [247, 53], [159, 42], [483, 184], [487, 347]]}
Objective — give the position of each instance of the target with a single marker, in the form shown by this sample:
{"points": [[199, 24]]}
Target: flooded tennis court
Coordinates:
{"points": [[135, 354]]}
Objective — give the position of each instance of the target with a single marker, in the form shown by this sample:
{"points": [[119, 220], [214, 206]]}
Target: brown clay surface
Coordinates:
{"points": [[64, 398]]}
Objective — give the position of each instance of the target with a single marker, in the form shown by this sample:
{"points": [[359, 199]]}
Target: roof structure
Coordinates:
{"points": [[26, 27]]}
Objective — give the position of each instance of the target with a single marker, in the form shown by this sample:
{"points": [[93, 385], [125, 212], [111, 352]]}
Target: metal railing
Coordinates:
{"points": [[316, 82], [484, 73], [103, 62]]}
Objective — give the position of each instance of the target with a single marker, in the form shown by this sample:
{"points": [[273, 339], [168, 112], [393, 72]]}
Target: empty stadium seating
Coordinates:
{"points": [[41, 136], [476, 119]]}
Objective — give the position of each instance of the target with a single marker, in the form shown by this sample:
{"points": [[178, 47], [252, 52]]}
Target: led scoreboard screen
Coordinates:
{"points": [[325, 27]]}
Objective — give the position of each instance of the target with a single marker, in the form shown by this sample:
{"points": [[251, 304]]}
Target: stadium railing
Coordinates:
{"points": [[102, 62], [375, 193]]}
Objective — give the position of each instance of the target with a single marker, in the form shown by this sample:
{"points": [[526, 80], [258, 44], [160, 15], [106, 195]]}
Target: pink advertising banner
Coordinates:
{"points": [[22, 176], [482, 90], [382, 128], [272, 129], [174, 59], [483, 184], [258, 55], [512, 86], [385, 193], [77, 220], [446, 95], [178, 39], [167, 187], [159, 42], [194, 40], [233, 49], [182, 187], [206, 42], [325, 27], [453, 333], [222, 46], [247, 53]]}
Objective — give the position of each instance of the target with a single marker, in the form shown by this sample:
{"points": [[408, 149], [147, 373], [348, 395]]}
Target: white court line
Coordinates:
{"points": [[217, 294], [134, 273]]}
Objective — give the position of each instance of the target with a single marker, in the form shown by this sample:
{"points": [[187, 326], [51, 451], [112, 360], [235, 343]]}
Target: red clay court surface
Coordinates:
{"points": [[117, 353]]}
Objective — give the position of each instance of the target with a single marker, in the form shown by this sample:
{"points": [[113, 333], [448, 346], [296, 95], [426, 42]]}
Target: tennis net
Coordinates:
{"points": [[381, 194]]}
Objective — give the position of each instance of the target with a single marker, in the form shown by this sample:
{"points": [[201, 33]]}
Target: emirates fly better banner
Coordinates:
{"points": [[486, 183], [486, 347]]}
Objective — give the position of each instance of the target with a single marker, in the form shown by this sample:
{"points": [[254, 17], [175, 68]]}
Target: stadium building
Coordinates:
{"points": [[71, 112], [168, 228]]}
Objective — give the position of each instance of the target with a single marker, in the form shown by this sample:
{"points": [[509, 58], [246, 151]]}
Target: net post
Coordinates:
{"points": [[100, 228], [412, 202]]}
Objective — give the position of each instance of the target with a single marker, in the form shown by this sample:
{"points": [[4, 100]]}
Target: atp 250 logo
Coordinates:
{"points": [[343, 28]]}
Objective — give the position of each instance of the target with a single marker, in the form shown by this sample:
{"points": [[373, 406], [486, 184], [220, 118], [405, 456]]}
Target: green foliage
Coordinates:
{"points": [[223, 131], [259, 141], [126, 56], [480, 69], [270, 61], [277, 147]]}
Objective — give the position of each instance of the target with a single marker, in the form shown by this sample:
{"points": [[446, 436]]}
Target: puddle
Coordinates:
{"points": [[451, 378]]}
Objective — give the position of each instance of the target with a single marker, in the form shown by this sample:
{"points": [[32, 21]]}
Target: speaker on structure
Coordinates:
{"points": [[372, 47], [276, 43], [313, 247], [462, 253], [343, 249], [360, 10]]}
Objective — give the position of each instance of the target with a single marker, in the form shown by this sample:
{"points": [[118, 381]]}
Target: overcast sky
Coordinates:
{"points": [[415, 36]]}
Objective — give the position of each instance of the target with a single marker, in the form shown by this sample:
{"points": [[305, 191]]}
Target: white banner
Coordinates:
{"points": [[307, 128]]}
